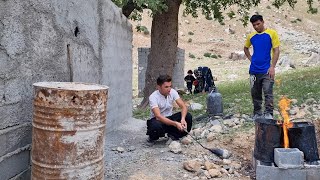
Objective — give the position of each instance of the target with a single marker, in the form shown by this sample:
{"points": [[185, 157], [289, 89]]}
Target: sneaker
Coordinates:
{"points": [[150, 142], [268, 116], [173, 138], [257, 116]]}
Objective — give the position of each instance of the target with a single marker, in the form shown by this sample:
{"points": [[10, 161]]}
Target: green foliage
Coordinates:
{"points": [[143, 29], [207, 54], [189, 40], [210, 55], [268, 7], [313, 10], [190, 33], [214, 56], [219, 56], [143, 114], [231, 14], [192, 56], [210, 9]]}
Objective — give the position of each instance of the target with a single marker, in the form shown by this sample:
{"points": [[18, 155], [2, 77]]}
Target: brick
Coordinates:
{"points": [[15, 137], [14, 164], [275, 173], [313, 171], [286, 158]]}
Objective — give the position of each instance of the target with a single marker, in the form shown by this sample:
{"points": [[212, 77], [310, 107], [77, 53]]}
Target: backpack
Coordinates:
{"points": [[205, 79]]}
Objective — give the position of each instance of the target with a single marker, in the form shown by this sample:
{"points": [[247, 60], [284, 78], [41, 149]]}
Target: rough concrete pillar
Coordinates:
{"points": [[69, 121], [178, 71]]}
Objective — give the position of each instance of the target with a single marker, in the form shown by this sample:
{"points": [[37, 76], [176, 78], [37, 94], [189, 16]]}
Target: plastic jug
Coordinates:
{"points": [[214, 103]]}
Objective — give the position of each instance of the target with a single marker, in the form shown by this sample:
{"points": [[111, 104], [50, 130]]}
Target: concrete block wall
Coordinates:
{"points": [[58, 40], [178, 72]]}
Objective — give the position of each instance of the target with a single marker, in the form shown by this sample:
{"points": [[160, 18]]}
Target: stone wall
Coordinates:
{"points": [[178, 72], [58, 40]]}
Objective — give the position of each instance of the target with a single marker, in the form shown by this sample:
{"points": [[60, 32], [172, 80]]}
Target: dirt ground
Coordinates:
{"points": [[138, 160]]}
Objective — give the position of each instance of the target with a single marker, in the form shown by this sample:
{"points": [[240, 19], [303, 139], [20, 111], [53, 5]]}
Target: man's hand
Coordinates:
{"points": [[184, 123], [271, 72], [179, 126]]}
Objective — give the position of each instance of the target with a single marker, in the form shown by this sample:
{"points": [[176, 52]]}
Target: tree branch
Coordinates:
{"points": [[128, 8]]}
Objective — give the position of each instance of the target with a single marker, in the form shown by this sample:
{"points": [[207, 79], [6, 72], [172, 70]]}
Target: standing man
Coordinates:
{"points": [[265, 43], [162, 120]]}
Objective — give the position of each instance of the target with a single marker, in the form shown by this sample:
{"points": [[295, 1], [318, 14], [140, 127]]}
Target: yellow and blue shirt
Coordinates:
{"points": [[262, 44]]}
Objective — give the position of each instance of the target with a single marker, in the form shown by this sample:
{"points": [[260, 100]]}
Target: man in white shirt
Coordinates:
{"points": [[162, 120]]}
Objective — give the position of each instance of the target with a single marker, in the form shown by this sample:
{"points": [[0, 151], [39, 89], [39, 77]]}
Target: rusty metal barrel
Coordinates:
{"points": [[69, 121]]}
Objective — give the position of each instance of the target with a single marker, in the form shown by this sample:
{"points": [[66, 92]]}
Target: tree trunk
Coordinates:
{"points": [[164, 45]]}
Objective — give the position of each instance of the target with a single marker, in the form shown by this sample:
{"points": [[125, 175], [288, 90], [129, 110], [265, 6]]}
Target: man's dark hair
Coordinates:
{"points": [[190, 72], [256, 18], [163, 78]]}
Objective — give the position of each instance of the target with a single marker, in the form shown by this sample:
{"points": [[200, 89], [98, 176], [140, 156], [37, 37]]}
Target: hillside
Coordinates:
{"points": [[297, 30]]}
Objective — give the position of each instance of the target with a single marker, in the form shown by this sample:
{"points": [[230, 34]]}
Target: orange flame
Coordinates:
{"points": [[284, 105]]}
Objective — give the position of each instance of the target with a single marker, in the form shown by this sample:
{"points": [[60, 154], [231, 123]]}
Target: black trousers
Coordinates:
{"points": [[156, 128], [262, 83]]}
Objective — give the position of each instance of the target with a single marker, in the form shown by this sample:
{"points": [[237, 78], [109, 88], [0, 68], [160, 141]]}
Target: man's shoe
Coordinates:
{"points": [[268, 116], [257, 116], [149, 142], [173, 138]]}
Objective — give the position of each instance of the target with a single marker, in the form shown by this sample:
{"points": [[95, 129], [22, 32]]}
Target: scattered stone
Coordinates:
{"points": [[216, 128], [215, 173], [235, 165], [294, 101], [131, 148], [207, 174], [209, 165], [226, 161], [237, 55], [192, 165], [120, 149], [310, 101], [224, 171], [195, 106], [215, 122], [175, 147], [186, 140], [210, 137], [197, 132]]}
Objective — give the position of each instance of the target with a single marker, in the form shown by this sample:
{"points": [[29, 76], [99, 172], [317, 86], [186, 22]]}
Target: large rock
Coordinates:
{"points": [[175, 147]]}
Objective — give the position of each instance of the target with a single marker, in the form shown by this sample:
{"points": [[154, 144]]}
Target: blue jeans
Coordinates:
{"points": [[262, 83]]}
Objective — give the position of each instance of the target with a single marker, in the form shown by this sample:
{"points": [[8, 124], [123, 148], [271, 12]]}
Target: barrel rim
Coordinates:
{"points": [[71, 86]]}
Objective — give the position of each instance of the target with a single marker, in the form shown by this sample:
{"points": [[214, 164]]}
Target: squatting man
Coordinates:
{"points": [[162, 120]]}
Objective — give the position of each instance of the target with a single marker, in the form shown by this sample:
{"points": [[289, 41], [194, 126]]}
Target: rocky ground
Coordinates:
{"points": [[130, 156]]}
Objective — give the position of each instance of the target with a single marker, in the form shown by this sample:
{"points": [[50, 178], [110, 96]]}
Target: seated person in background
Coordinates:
{"points": [[189, 79], [162, 120]]}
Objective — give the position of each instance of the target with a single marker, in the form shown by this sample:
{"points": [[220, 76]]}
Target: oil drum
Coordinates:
{"points": [[267, 137], [68, 124]]}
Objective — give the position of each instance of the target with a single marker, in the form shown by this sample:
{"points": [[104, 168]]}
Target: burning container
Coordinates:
{"points": [[302, 136], [268, 134], [69, 122]]}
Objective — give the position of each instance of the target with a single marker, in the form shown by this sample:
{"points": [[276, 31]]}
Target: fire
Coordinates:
{"points": [[284, 105]]}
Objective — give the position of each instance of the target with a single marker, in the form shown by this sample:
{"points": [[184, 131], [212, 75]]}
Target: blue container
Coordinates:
{"points": [[214, 103]]}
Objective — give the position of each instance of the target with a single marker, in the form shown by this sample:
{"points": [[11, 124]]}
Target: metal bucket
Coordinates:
{"points": [[69, 122], [302, 136], [268, 134]]}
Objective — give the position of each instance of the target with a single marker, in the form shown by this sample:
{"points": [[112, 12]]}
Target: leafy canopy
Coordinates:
{"points": [[212, 9]]}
